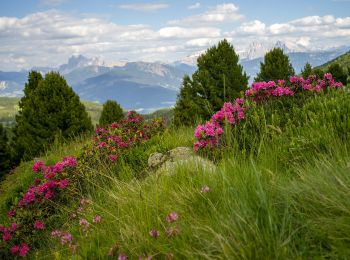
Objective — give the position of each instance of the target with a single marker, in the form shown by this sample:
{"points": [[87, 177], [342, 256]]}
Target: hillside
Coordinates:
{"points": [[276, 185], [9, 108], [342, 60]]}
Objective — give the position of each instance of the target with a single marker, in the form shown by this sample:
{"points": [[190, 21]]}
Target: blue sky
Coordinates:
{"points": [[47, 32]]}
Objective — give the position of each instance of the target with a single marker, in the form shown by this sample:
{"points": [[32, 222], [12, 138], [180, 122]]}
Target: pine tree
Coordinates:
{"points": [[307, 71], [276, 66], [219, 78], [111, 112], [319, 73], [338, 73], [5, 155], [50, 109]]}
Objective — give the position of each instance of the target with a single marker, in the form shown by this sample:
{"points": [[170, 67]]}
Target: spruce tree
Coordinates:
{"points": [[111, 112], [50, 109], [318, 72], [276, 66], [338, 73], [307, 71], [5, 154], [219, 78]]}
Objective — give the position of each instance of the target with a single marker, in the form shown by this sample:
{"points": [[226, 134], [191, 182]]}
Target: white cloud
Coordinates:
{"points": [[224, 13], [52, 2], [194, 6], [144, 6], [255, 27], [181, 32]]}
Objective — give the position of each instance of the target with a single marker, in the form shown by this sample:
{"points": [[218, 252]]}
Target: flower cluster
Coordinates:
{"points": [[53, 181], [48, 185], [208, 135], [261, 91], [112, 140]]}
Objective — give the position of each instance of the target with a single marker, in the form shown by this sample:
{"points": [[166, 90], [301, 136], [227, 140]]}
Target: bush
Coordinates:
{"points": [[111, 112]]}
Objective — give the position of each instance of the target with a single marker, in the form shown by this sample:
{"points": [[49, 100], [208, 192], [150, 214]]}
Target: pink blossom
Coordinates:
{"points": [[39, 224], [49, 195], [15, 249], [84, 201], [6, 236], [56, 233], [172, 217], [63, 183], [112, 157], [70, 161], [59, 166], [37, 181], [154, 233], [13, 227], [23, 249], [84, 224], [97, 219], [38, 166], [102, 144], [11, 213], [122, 257], [240, 115], [66, 238]]}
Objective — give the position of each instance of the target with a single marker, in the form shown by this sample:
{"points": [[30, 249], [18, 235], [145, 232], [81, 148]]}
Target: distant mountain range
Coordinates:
{"points": [[147, 86]]}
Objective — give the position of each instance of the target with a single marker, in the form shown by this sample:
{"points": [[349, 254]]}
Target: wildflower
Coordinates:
{"points": [[84, 224], [38, 165], [13, 227], [122, 257], [49, 194], [154, 233], [112, 157], [66, 238], [11, 213], [80, 209], [63, 183], [56, 233], [37, 181], [172, 217], [6, 236], [70, 161], [39, 224], [59, 166], [24, 248], [97, 219], [205, 189], [15, 249], [240, 115]]}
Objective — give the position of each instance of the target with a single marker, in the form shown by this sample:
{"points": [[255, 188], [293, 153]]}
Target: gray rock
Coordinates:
{"points": [[156, 159], [180, 153]]}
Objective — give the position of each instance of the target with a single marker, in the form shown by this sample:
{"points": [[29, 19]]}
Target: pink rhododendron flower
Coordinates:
{"points": [[63, 183], [6, 236], [37, 166], [15, 249], [172, 217], [66, 238], [11, 213], [59, 166], [112, 157], [70, 161], [13, 227], [39, 224], [23, 250], [97, 219]]}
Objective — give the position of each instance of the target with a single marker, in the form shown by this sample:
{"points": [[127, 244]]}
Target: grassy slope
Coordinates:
{"points": [[290, 201], [342, 60], [9, 108]]}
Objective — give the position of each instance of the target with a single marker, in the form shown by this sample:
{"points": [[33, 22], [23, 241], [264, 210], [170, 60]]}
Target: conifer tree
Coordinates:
{"points": [[219, 78], [276, 66], [5, 155], [50, 109], [111, 112], [307, 71]]}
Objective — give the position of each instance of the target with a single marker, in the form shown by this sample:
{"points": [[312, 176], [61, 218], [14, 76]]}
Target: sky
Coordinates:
{"points": [[48, 32]]}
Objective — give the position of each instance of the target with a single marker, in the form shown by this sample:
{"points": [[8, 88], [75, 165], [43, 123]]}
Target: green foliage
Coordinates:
{"points": [[307, 71], [318, 72], [111, 112], [5, 154], [338, 73], [218, 78], [49, 110], [342, 60], [276, 66]]}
